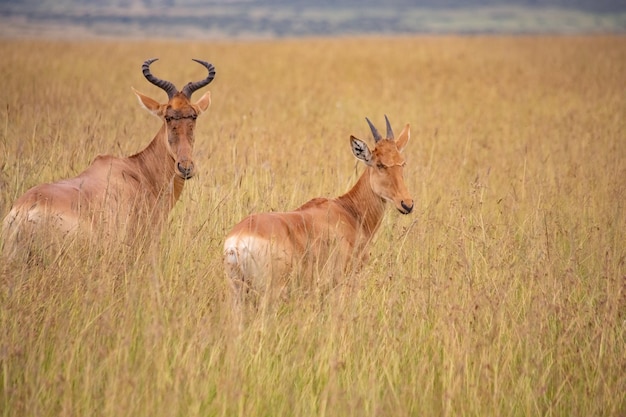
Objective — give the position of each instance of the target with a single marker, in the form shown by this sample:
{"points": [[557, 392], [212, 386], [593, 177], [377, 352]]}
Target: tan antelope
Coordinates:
{"points": [[118, 196], [333, 233]]}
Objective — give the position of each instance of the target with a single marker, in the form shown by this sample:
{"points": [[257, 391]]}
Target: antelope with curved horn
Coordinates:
{"points": [[263, 249], [119, 194]]}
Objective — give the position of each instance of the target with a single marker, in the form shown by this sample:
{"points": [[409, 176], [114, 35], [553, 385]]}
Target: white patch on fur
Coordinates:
{"points": [[246, 260]]}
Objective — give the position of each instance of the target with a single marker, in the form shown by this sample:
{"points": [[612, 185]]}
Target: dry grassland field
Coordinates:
{"points": [[502, 294]]}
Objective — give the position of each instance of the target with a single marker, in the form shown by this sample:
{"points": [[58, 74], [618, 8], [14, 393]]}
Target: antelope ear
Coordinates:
{"points": [[204, 102], [148, 103], [361, 150], [404, 137]]}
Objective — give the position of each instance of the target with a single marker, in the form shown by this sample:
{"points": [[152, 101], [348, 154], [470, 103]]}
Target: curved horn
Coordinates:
{"points": [[375, 133], [193, 86], [167, 86], [389, 131]]}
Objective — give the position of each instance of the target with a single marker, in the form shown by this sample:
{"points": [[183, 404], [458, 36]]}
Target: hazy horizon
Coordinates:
{"points": [[276, 19]]}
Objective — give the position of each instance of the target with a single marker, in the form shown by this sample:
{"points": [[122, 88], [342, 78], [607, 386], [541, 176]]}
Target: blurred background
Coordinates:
{"points": [[205, 19]]}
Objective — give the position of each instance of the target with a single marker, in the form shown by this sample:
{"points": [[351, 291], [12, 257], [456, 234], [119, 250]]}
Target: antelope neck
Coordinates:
{"points": [[365, 206]]}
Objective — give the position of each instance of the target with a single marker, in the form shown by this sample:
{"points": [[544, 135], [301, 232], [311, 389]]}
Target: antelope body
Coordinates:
{"points": [[264, 248], [118, 195]]}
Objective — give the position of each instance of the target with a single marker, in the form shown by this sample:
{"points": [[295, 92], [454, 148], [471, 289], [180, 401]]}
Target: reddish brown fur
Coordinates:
{"points": [[117, 196], [262, 250]]}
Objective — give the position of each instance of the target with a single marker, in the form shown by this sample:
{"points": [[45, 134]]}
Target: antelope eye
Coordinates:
{"points": [[380, 166], [168, 118]]}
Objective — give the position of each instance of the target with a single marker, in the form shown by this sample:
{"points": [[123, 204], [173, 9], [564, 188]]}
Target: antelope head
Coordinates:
{"points": [[179, 115], [386, 164]]}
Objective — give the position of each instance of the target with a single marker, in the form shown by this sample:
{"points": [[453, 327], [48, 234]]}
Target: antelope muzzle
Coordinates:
{"points": [[185, 168], [406, 206]]}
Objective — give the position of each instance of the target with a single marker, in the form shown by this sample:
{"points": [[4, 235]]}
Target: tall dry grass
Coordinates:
{"points": [[504, 293]]}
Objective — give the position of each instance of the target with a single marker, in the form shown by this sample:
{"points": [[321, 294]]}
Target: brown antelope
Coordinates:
{"points": [[116, 195], [264, 248]]}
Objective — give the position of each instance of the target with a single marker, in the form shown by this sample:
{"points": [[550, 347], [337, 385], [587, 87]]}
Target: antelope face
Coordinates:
{"points": [[386, 166], [179, 115], [386, 176], [180, 118]]}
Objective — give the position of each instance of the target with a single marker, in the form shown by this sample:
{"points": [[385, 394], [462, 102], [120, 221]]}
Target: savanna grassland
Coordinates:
{"points": [[502, 294]]}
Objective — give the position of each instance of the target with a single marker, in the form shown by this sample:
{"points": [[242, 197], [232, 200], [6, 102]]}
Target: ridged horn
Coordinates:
{"points": [[375, 133], [389, 131], [167, 86], [193, 86]]}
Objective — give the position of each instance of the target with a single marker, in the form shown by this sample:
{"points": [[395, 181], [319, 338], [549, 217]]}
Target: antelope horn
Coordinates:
{"points": [[167, 86], [193, 86], [375, 133], [389, 131]]}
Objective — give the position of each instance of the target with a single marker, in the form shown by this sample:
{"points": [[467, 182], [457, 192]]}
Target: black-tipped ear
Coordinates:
{"points": [[361, 150]]}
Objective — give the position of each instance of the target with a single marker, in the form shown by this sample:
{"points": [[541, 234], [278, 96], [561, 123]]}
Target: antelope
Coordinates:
{"points": [[264, 248], [118, 195]]}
